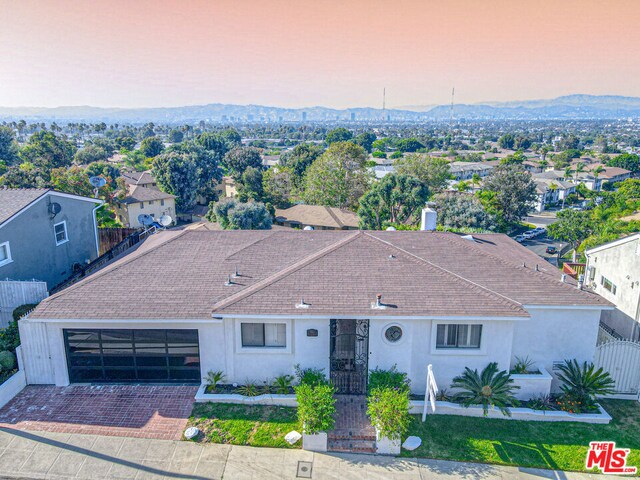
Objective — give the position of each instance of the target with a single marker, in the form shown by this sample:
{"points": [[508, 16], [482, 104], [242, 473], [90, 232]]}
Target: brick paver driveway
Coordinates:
{"points": [[120, 410]]}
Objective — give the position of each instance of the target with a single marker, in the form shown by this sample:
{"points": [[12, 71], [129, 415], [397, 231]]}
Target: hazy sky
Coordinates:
{"points": [[338, 53]]}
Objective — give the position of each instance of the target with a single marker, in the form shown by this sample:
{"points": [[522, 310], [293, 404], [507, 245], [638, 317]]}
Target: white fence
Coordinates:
{"points": [[15, 293], [621, 358]]}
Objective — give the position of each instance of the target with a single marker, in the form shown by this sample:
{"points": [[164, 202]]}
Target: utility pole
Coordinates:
{"points": [[384, 103], [453, 92]]}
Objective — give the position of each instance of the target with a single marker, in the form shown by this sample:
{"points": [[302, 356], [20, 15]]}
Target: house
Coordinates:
{"points": [[317, 216], [45, 234], [610, 174], [466, 170], [226, 188], [143, 197], [551, 192], [255, 303], [613, 271]]}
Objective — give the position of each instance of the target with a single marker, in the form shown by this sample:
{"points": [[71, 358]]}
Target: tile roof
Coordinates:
{"points": [[138, 178], [318, 215], [138, 194], [182, 275], [12, 200]]}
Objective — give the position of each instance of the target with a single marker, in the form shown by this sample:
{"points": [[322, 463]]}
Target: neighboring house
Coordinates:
{"points": [[44, 234], [613, 271], [466, 170], [143, 196], [253, 304], [226, 188], [610, 174], [381, 171], [551, 192], [317, 216]]}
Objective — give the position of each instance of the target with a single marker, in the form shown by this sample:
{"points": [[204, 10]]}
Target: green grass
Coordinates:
{"points": [[257, 426], [555, 445]]}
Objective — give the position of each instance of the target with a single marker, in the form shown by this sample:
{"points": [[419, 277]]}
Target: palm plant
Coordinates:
{"points": [[489, 388], [214, 378], [282, 384], [584, 382]]}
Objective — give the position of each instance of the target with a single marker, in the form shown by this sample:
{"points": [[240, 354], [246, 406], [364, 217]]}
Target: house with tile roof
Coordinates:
{"points": [[45, 234], [143, 197], [317, 216], [255, 303]]}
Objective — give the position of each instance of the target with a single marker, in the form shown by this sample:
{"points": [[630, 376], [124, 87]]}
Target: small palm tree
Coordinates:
{"points": [[489, 388], [584, 381]]}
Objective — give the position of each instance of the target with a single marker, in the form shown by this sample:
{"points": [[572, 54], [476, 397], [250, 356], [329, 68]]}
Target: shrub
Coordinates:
{"points": [[316, 407], [523, 366], [489, 388], [581, 383], [249, 390], [389, 411], [311, 376], [10, 337], [282, 384], [542, 402], [7, 360], [214, 378], [392, 378], [443, 395], [22, 310]]}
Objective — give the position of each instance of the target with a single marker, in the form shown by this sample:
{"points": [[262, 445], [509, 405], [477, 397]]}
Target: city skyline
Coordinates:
{"points": [[300, 54]]}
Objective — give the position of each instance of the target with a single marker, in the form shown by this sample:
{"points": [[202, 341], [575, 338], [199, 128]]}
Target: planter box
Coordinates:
{"points": [[532, 384], [387, 446], [266, 399], [315, 443], [448, 408], [11, 387]]}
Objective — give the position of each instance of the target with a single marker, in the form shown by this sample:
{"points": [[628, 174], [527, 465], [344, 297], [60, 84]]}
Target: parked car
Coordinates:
{"points": [[551, 250], [529, 234], [519, 238], [540, 230]]}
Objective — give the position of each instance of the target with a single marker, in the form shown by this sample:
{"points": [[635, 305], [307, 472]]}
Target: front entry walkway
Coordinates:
{"points": [[141, 411], [353, 431]]}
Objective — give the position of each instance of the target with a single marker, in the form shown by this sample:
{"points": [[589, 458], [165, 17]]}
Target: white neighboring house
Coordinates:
{"points": [[551, 191], [613, 270], [143, 196], [255, 303], [466, 170]]}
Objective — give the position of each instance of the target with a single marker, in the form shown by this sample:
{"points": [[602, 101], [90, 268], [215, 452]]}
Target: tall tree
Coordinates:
{"points": [[339, 134], [394, 200], [152, 146], [48, 151], [177, 174], [339, 177], [299, 159], [239, 159], [572, 226], [459, 211], [514, 189], [365, 140], [8, 146], [234, 215], [432, 171]]}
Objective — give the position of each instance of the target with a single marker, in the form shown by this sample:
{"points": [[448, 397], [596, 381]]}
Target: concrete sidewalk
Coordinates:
{"points": [[46, 455]]}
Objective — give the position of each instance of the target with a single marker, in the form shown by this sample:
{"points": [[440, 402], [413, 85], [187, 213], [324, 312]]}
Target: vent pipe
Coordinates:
{"points": [[580, 282], [429, 219]]}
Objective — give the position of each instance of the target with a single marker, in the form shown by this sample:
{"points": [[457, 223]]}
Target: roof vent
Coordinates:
{"points": [[302, 304], [563, 278], [308, 227], [580, 282], [229, 282], [378, 305], [537, 268], [524, 265], [469, 237], [237, 273], [391, 229]]}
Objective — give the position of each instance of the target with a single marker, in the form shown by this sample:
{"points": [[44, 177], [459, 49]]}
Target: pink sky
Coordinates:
{"points": [[338, 53]]}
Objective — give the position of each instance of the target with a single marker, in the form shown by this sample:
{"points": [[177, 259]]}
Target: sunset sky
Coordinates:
{"points": [[295, 53]]}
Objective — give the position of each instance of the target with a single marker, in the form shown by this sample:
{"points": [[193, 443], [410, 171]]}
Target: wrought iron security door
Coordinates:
{"points": [[349, 355]]}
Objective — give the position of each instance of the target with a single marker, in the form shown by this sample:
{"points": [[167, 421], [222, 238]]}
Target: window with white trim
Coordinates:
{"points": [[272, 335], [608, 284], [458, 336], [60, 230], [5, 254]]}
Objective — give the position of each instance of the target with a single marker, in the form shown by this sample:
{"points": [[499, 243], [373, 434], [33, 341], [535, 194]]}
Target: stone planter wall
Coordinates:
{"points": [[266, 399], [387, 446], [316, 442], [532, 384]]}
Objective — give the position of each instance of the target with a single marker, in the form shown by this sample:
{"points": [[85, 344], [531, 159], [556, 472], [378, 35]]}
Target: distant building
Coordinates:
{"points": [[466, 170], [317, 216], [45, 234], [226, 188], [143, 197], [551, 192]]}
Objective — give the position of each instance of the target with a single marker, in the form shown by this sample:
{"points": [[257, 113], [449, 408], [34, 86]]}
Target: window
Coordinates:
{"points": [[5, 253], [141, 205], [458, 336], [60, 229], [150, 202], [162, 203], [264, 334], [608, 284], [592, 274]]}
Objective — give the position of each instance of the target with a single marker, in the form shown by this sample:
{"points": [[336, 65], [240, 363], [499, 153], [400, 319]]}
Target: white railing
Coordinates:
{"points": [[430, 394]]}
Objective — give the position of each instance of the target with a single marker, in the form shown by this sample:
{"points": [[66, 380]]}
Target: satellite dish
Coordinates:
{"points": [[391, 229], [308, 227], [54, 208], [97, 181], [165, 220], [145, 219]]}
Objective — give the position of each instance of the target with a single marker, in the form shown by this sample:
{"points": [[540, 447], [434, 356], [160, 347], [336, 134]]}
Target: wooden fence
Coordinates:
{"points": [[110, 237]]}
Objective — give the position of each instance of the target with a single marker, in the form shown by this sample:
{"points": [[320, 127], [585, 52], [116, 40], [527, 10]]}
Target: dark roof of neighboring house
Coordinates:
{"points": [[182, 275], [608, 172], [12, 200], [138, 178], [318, 215], [143, 194]]}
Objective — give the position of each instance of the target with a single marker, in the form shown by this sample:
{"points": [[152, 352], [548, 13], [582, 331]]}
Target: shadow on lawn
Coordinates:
{"points": [[510, 452]]}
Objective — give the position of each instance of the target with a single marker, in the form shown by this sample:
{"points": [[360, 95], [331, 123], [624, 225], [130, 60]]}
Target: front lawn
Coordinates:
{"points": [[256, 425], [555, 445]]}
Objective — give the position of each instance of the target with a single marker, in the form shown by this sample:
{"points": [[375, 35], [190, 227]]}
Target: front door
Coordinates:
{"points": [[349, 355]]}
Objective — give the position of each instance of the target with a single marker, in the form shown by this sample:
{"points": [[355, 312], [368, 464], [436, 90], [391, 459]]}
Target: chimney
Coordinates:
{"points": [[580, 281], [429, 217]]}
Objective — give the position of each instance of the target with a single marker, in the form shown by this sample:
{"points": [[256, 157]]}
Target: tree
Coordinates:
{"points": [[234, 215], [125, 143], [627, 161], [573, 226], [490, 388], [177, 174], [507, 141], [409, 145], [207, 163], [339, 134], [230, 137], [339, 177], [365, 140], [152, 147], [458, 211], [176, 136], [72, 180], [431, 171], [278, 186], [522, 142], [24, 176], [8, 146], [396, 199], [48, 151], [239, 159], [299, 159], [514, 189], [250, 185], [90, 154]]}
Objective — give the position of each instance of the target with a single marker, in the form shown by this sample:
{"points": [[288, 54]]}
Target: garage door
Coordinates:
{"points": [[138, 356]]}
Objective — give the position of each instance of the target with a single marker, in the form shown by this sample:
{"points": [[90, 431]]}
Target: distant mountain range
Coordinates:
{"points": [[570, 107]]}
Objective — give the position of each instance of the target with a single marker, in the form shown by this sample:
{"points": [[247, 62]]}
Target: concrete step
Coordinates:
{"points": [[352, 446], [368, 435]]}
